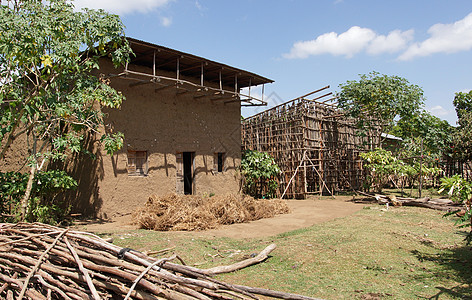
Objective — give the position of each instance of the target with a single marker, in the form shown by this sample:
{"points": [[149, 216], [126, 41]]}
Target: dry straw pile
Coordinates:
{"points": [[189, 212]]}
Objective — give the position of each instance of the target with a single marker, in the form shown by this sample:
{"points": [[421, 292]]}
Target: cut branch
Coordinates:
{"points": [[78, 265], [242, 264]]}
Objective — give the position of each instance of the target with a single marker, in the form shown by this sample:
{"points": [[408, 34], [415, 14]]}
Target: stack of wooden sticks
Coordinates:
{"points": [[40, 261]]}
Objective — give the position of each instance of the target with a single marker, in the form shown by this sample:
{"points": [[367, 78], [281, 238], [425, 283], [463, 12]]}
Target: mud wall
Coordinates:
{"points": [[164, 123]]}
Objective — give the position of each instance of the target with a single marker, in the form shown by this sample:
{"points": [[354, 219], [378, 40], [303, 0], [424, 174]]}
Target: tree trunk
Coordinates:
{"points": [[26, 197]]}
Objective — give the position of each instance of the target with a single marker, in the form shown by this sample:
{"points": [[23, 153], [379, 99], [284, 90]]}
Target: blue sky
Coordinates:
{"points": [[304, 45]]}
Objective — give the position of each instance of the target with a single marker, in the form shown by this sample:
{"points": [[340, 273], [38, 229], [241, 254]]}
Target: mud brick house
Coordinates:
{"points": [[182, 125]]}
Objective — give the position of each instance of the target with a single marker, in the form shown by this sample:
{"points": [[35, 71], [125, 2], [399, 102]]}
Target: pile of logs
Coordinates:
{"points": [[39, 261], [427, 202]]}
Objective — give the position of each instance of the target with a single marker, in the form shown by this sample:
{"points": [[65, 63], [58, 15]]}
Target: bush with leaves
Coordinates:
{"points": [[43, 206], [381, 165], [260, 173], [460, 190], [12, 189]]}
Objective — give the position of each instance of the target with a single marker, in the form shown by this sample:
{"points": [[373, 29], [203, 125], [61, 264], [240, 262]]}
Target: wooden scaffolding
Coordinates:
{"points": [[316, 146]]}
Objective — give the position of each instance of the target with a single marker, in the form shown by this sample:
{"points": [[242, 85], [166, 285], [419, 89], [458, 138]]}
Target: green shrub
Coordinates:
{"points": [[44, 206], [460, 190], [260, 173], [381, 164]]}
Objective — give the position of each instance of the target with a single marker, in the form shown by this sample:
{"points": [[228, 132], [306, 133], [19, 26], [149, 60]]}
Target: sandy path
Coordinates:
{"points": [[304, 213]]}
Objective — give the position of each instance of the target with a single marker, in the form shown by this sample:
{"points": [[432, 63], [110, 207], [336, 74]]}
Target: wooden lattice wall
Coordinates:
{"points": [[315, 145], [460, 167]]}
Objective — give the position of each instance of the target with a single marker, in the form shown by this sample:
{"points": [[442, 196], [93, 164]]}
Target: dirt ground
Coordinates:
{"points": [[304, 213]]}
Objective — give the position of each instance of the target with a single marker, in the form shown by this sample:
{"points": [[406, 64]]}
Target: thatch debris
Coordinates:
{"points": [[191, 212], [39, 261]]}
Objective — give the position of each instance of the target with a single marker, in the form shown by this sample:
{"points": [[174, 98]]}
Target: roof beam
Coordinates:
{"points": [[166, 58], [178, 81]]}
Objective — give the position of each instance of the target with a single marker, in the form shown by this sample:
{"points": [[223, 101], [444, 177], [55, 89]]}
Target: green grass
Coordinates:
{"points": [[400, 253]]}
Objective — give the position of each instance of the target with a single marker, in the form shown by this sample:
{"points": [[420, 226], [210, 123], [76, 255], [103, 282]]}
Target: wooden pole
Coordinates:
{"points": [[201, 76], [322, 181], [236, 83], [304, 177], [294, 174], [249, 93], [221, 84], [421, 170], [154, 64], [178, 68], [320, 157]]}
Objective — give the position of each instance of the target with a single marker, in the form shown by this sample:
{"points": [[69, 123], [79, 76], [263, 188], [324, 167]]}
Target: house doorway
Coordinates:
{"points": [[188, 172]]}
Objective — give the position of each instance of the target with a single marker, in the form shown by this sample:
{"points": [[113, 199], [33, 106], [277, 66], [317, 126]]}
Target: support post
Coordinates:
{"points": [[421, 170], [304, 177], [320, 157], [201, 77], [236, 82], [249, 93], [154, 64], [178, 68], [221, 84]]}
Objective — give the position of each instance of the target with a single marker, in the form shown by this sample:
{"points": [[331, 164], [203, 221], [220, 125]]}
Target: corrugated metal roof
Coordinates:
{"points": [[391, 137]]}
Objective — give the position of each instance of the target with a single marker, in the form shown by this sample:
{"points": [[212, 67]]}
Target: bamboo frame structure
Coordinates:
{"points": [[316, 146], [457, 166]]}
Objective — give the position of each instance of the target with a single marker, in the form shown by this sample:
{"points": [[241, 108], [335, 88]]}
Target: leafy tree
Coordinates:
{"points": [[378, 102], [424, 131], [48, 54], [462, 145], [260, 172], [463, 103]]}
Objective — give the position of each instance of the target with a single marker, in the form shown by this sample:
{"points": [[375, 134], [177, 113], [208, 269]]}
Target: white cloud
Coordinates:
{"points": [[351, 42], [444, 38], [122, 7], [395, 41], [166, 22], [198, 5], [439, 111]]}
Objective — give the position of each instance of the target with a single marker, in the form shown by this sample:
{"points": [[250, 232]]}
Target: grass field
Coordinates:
{"points": [[400, 253]]}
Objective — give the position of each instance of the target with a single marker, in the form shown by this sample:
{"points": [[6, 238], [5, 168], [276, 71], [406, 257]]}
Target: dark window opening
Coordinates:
{"points": [[188, 176], [221, 159], [137, 163]]}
